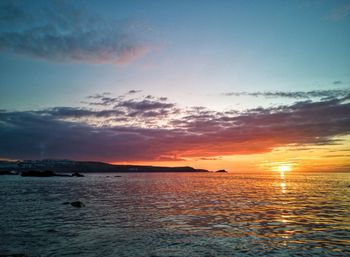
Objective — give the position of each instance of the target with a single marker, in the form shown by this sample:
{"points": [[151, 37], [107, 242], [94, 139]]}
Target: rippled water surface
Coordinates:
{"points": [[177, 214]]}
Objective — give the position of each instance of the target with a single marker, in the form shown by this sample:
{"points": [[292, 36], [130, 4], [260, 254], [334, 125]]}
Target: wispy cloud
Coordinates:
{"points": [[296, 94], [147, 106], [112, 134], [59, 31], [133, 91], [341, 12]]}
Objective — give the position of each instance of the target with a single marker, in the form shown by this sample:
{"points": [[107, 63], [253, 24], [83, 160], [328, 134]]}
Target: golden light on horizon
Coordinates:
{"points": [[284, 168]]}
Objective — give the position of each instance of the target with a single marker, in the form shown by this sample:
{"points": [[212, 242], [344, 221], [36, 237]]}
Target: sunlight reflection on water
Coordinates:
{"points": [[176, 214]]}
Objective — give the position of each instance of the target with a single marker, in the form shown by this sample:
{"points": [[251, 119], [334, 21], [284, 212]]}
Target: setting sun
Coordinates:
{"points": [[283, 168]]}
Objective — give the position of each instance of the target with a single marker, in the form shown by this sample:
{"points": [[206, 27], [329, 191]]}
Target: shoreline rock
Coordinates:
{"points": [[77, 174], [38, 173], [77, 204]]}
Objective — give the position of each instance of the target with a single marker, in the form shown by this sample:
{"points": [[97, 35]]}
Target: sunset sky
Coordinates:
{"points": [[235, 85]]}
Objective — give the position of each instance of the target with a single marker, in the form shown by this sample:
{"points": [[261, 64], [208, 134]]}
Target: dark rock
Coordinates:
{"points": [[77, 174], [7, 172], [222, 171], [77, 204], [117, 176], [38, 173]]}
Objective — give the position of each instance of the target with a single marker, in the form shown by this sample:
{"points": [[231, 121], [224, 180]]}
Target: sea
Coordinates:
{"points": [[176, 214]]}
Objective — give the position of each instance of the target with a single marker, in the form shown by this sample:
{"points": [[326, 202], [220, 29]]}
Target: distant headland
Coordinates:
{"points": [[64, 166]]}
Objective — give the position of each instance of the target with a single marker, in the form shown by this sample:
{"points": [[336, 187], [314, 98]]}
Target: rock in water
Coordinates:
{"points": [[38, 173], [77, 174], [77, 204]]}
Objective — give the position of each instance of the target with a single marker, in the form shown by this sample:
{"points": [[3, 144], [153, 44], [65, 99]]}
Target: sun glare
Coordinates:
{"points": [[284, 168]]}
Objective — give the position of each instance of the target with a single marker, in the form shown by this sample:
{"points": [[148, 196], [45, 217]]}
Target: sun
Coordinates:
{"points": [[284, 168]]}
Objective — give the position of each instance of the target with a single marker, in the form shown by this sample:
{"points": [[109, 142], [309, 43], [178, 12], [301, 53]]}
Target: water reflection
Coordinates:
{"points": [[283, 187], [283, 182], [178, 215], [282, 174]]}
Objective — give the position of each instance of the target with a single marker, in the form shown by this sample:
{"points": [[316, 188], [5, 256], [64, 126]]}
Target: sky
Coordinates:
{"points": [[236, 85]]}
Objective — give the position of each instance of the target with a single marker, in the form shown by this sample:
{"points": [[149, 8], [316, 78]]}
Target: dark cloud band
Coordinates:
{"points": [[133, 132]]}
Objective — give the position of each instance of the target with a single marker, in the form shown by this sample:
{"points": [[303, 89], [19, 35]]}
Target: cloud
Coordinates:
{"points": [[147, 107], [340, 13], [116, 135], [59, 31], [104, 101], [210, 158], [71, 112], [133, 91], [296, 94]]}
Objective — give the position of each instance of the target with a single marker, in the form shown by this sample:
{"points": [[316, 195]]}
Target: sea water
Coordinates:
{"points": [[177, 214]]}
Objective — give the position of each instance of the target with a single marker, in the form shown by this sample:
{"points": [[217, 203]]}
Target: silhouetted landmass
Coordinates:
{"points": [[39, 173], [38, 168]]}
